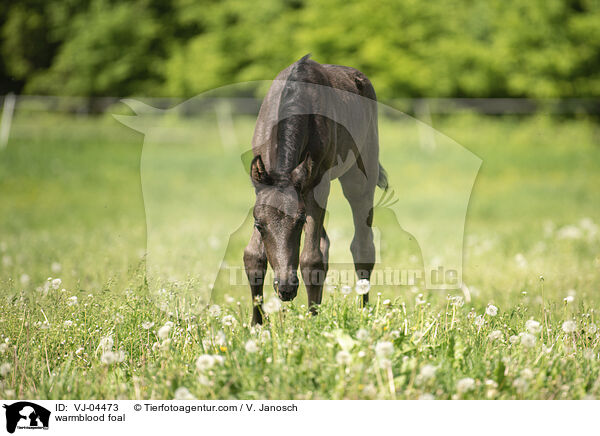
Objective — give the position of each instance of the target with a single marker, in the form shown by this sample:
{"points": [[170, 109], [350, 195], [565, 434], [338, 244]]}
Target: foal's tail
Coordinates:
{"points": [[382, 180]]}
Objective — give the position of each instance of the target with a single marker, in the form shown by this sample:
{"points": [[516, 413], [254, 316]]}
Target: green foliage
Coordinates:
{"points": [[454, 48]]}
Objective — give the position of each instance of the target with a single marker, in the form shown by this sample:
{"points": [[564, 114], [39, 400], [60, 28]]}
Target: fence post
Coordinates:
{"points": [[7, 114], [224, 113], [425, 125]]}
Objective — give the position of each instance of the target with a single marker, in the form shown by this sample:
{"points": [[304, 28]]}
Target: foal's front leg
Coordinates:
{"points": [[255, 262], [313, 260]]}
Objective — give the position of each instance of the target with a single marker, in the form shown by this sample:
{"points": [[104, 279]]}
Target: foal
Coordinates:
{"points": [[301, 142]]}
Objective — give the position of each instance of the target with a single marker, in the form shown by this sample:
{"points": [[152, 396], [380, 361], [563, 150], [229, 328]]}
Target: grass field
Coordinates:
{"points": [[72, 208]]}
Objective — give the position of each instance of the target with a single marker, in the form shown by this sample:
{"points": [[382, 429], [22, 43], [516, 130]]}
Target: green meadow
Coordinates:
{"points": [[83, 318]]}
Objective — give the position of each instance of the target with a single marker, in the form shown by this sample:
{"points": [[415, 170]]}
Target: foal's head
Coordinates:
{"points": [[279, 216]]}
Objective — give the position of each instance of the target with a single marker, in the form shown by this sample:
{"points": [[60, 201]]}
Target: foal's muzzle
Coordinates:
{"points": [[286, 290]]}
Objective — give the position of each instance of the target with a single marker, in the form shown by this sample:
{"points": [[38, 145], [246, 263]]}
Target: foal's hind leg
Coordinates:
{"points": [[255, 262], [360, 192]]}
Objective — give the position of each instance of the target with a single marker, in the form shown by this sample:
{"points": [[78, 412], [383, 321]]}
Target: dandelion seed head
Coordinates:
{"points": [[465, 385], [520, 384], [273, 305], [496, 334], [362, 287], [251, 346], [532, 326], [362, 335], [346, 290], [182, 393], [214, 310], [384, 349], [163, 332], [491, 310], [106, 344], [528, 340], [343, 357], [205, 362], [5, 369], [569, 326]]}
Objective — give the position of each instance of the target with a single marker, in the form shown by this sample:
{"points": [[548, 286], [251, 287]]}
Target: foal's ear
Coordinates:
{"points": [[258, 172], [301, 173]]}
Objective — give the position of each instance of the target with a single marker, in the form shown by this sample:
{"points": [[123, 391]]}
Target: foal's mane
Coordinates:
{"points": [[295, 105]]}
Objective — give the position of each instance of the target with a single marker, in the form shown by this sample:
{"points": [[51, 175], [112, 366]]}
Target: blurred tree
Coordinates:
{"points": [[111, 50], [462, 48]]}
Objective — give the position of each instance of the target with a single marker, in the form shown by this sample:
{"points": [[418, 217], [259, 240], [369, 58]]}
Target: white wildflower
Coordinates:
{"points": [[491, 384], [384, 363], [272, 306], [72, 301], [458, 301], [343, 358], [163, 332], [147, 325], [591, 329], [479, 321], [68, 323], [589, 354], [520, 261], [346, 290], [5, 369], [228, 320], [214, 310], [369, 391], [251, 346], [343, 339], [527, 374], [205, 362], [569, 232], [182, 393], [220, 338], [520, 384], [56, 283], [106, 344], [465, 385], [496, 334], [362, 287], [427, 372], [532, 326], [24, 279], [569, 326], [491, 310], [362, 335], [384, 349], [528, 340], [108, 358]]}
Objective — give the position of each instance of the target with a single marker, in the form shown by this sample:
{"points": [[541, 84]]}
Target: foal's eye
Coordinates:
{"points": [[258, 226]]}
